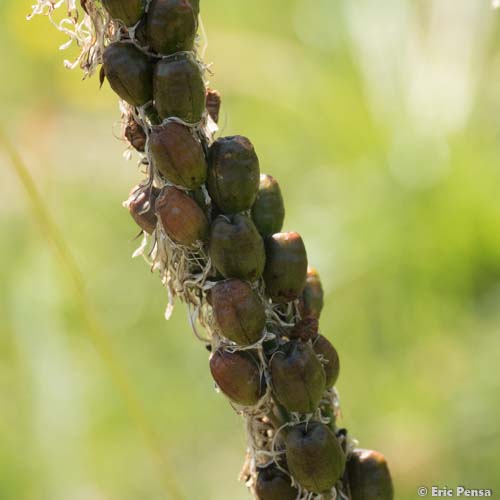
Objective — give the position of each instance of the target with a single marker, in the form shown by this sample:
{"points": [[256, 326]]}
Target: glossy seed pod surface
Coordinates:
{"points": [[314, 456], [171, 26], [369, 476], [268, 211], [322, 346], [238, 311], [312, 299], [233, 174], [178, 155], [142, 208], [179, 90], [236, 248], [238, 376], [273, 484], [286, 266], [181, 217], [297, 376], [129, 73], [129, 12]]}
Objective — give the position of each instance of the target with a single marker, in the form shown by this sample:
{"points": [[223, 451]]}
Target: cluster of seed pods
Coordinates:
{"points": [[213, 226]]}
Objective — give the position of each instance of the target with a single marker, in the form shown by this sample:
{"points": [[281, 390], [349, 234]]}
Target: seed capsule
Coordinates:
{"points": [[323, 346], [286, 266], [305, 329], [179, 89], [129, 72], [311, 301], [142, 208], [178, 155], [268, 211], [127, 11], [171, 26], [181, 217], [135, 135], [273, 484], [369, 476], [238, 376], [314, 456], [297, 376], [233, 174], [236, 248], [213, 103], [238, 311]]}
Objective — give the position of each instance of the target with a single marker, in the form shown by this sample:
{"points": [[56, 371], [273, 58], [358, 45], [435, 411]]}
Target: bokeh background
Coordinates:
{"points": [[381, 122]]}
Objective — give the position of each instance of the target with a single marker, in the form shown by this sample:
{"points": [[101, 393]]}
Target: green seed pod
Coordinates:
{"points": [[369, 476], [233, 174], [274, 484], [178, 155], [286, 266], [314, 456], [268, 211], [129, 72], [182, 219], [238, 376], [311, 301], [196, 7], [171, 26], [142, 208], [236, 248], [179, 89], [127, 11], [298, 377], [238, 311], [323, 346]]}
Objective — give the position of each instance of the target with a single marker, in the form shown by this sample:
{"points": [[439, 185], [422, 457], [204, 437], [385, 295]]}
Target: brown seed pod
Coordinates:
{"points": [[171, 26], [298, 379], [127, 11], [238, 376], [142, 208], [129, 73], [369, 476], [179, 89], [238, 311], [233, 174], [135, 135], [236, 248], [305, 329], [311, 301], [181, 217], [323, 346], [286, 266], [314, 456], [178, 155], [268, 211], [274, 484], [213, 103]]}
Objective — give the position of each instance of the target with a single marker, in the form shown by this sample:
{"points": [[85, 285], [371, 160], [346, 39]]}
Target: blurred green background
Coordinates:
{"points": [[381, 122]]}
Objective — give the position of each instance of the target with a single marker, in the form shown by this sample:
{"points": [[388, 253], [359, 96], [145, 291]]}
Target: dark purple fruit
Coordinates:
{"points": [[213, 103], [129, 72], [127, 11], [233, 174], [181, 217], [311, 302], [236, 248], [268, 211], [286, 266], [171, 26], [298, 378], [178, 155], [238, 311], [314, 456], [179, 90], [238, 376], [135, 135], [142, 208], [323, 346], [369, 476], [274, 484]]}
